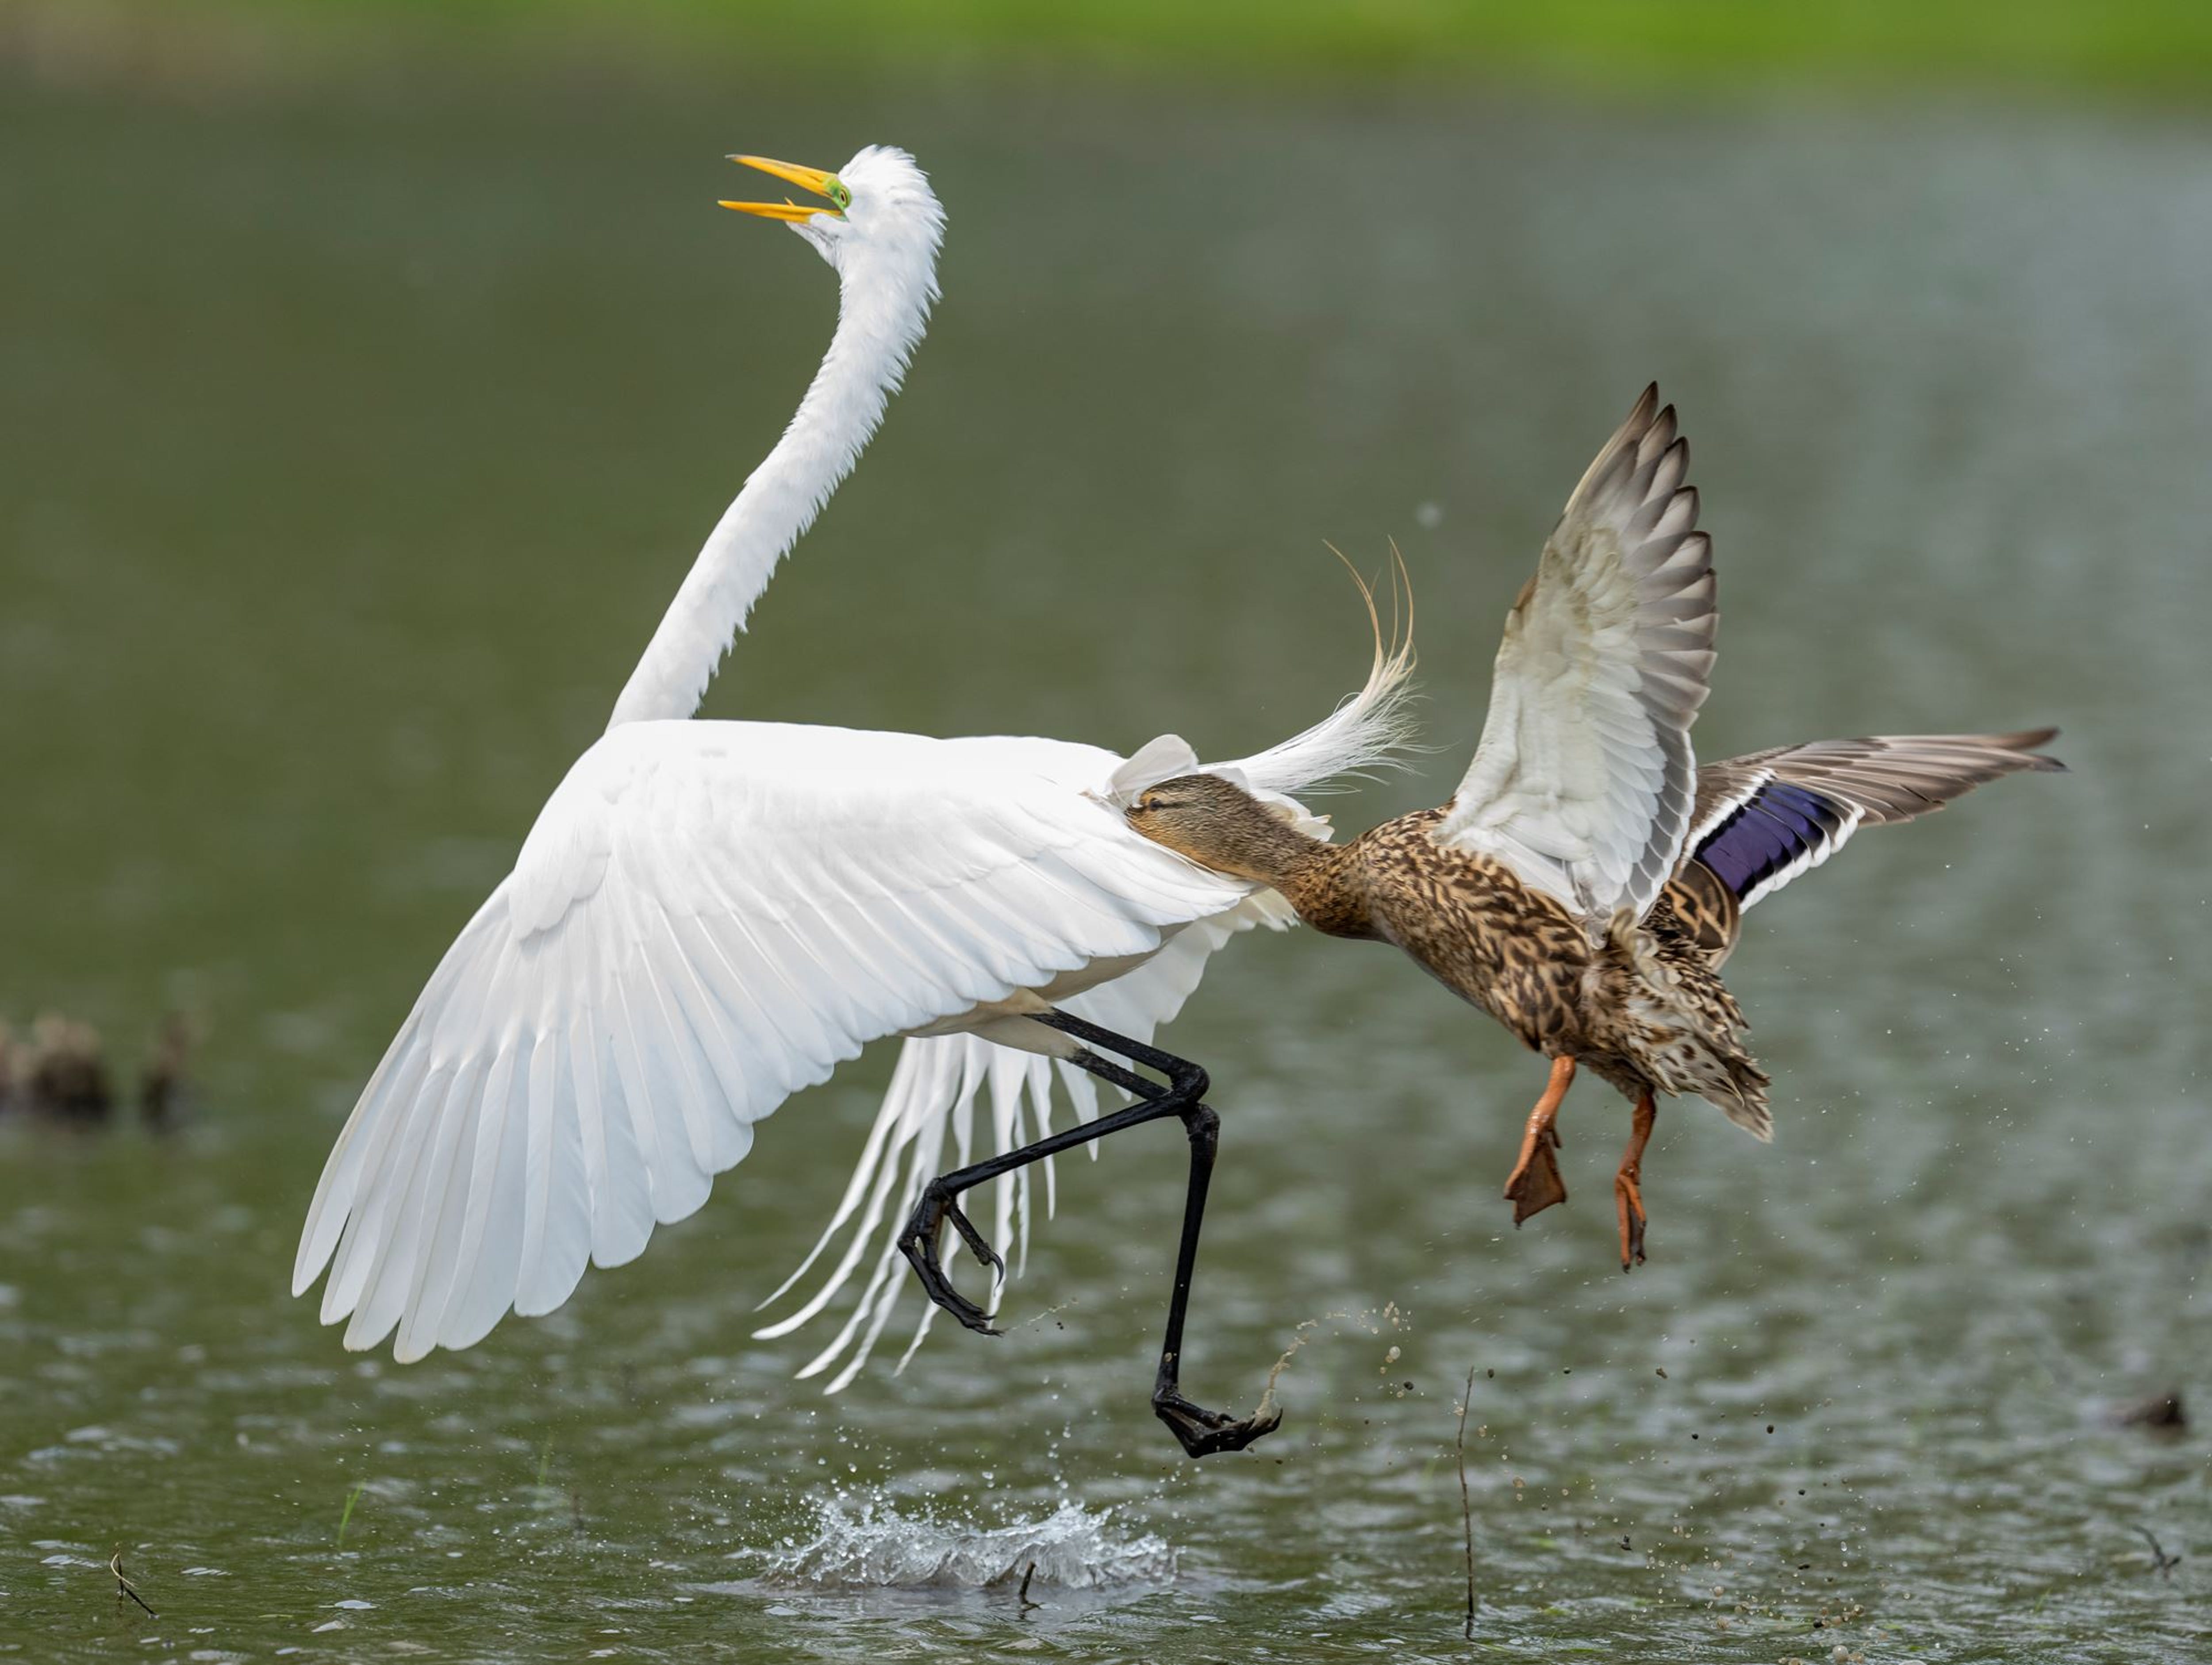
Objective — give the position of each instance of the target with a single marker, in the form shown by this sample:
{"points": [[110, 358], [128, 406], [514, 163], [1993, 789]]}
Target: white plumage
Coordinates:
{"points": [[709, 916]]}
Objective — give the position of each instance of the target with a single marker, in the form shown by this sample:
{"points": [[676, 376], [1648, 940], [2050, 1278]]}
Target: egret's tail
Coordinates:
{"points": [[933, 1093], [940, 1083]]}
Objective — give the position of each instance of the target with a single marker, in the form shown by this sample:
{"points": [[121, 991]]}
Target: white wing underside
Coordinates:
{"points": [[707, 918], [1584, 781]]}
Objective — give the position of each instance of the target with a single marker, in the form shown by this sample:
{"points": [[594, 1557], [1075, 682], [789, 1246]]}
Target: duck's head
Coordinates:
{"points": [[1217, 824]]}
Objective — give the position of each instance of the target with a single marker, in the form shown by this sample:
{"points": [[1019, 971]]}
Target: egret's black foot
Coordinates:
{"points": [[1203, 1432], [918, 1243]]}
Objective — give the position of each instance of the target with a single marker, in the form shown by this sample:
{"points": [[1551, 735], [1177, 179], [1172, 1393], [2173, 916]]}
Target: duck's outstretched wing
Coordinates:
{"points": [[706, 918], [1583, 782], [1763, 819]]}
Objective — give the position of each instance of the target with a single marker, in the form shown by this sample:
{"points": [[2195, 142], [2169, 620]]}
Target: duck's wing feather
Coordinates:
{"points": [[1763, 819], [706, 918], [1582, 781]]}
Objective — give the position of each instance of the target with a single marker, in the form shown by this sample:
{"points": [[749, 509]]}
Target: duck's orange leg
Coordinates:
{"points": [[1627, 1193], [1535, 1184]]}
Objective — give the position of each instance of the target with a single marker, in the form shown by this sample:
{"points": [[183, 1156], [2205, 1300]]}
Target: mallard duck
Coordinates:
{"points": [[1587, 880]]}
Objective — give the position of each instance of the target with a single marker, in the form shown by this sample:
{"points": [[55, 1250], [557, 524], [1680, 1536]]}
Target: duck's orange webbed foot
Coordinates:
{"points": [[1627, 1188], [1534, 1183]]}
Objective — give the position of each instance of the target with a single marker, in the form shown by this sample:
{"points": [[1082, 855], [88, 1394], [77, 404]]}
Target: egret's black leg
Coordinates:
{"points": [[1201, 1431]]}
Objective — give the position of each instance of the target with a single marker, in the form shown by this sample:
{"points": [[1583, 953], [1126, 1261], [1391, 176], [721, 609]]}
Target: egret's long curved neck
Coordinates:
{"points": [[882, 308]]}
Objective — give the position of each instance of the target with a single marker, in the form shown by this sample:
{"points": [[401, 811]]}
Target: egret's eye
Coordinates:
{"points": [[838, 194]]}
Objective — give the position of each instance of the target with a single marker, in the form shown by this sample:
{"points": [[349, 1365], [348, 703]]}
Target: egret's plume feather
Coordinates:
{"points": [[1372, 729]]}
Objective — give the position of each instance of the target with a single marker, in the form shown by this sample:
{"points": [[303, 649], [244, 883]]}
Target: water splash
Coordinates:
{"points": [[873, 1545], [1369, 1323]]}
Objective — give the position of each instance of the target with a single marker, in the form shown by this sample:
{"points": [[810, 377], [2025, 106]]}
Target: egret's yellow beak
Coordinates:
{"points": [[807, 178]]}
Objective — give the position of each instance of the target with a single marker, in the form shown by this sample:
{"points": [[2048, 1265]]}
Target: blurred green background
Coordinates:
{"points": [[2126, 45], [368, 375]]}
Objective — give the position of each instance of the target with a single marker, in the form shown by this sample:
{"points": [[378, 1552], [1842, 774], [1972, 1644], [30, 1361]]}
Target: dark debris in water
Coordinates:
{"points": [[2160, 1411], [123, 1586], [2161, 1562], [59, 1072]]}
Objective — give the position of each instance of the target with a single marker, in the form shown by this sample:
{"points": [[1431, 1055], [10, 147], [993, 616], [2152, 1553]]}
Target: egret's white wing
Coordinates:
{"points": [[1583, 783], [934, 1094], [706, 918]]}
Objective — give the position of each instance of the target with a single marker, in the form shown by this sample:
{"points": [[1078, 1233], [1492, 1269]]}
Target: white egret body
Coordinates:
{"points": [[709, 916]]}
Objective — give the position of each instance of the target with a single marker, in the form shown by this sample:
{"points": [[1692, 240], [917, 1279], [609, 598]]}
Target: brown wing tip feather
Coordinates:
{"points": [[2022, 745], [2030, 741]]}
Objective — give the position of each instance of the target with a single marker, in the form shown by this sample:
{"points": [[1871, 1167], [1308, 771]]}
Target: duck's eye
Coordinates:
{"points": [[838, 194]]}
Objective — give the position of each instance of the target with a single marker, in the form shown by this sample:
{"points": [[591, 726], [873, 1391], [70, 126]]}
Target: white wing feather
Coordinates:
{"points": [[1584, 781], [935, 1090], [706, 918]]}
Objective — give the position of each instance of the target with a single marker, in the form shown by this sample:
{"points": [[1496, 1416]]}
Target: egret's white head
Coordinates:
{"points": [[877, 213]]}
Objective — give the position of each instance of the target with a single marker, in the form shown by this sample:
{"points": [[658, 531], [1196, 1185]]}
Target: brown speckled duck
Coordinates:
{"points": [[1587, 880]]}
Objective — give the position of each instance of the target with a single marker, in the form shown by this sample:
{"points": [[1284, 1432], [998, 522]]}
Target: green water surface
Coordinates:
{"points": [[351, 440]]}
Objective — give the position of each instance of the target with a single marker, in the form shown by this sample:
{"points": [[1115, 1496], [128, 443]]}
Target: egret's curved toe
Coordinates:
{"points": [[918, 1243], [1203, 1432]]}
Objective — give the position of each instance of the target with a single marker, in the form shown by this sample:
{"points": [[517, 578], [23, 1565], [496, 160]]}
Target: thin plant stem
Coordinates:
{"points": [[1466, 1502]]}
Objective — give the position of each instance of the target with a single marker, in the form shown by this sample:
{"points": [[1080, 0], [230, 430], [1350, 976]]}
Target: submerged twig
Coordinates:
{"points": [[1466, 1504], [2161, 1562], [122, 1587]]}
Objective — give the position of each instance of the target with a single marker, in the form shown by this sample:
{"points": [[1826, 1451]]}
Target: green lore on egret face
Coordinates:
{"points": [[838, 194]]}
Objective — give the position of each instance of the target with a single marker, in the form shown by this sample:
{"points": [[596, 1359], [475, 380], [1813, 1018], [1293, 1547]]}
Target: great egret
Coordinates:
{"points": [[709, 916], [1587, 881]]}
